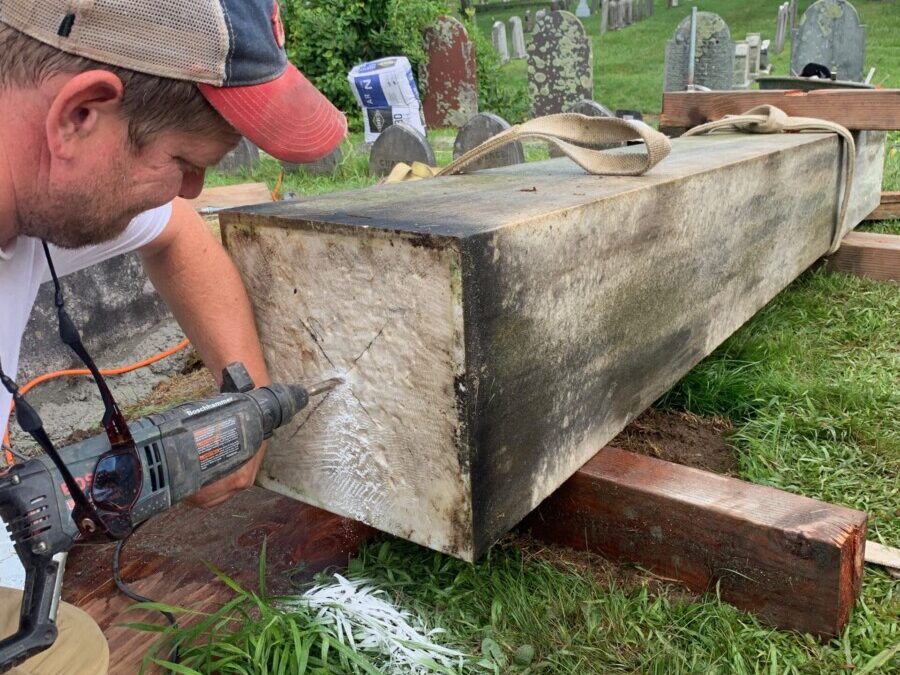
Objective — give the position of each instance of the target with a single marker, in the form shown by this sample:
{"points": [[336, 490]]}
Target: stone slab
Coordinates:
{"points": [[449, 78], [560, 64], [479, 129], [399, 143], [713, 58], [830, 33], [497, 329]]}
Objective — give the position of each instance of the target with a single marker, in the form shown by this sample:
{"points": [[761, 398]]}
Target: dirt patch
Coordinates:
{"points": [[683, 438]]}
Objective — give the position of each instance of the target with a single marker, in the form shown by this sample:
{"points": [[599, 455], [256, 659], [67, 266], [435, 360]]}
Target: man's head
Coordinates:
{"points": [[119, 105]]}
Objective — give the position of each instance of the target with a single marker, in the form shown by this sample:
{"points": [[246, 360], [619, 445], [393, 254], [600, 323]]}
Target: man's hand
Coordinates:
{"points": [[202, 287]]}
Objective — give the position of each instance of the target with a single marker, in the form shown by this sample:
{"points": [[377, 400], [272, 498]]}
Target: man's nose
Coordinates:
{"points": [[191, 184]]}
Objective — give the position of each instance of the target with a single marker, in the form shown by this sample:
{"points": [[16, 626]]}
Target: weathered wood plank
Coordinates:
{"points": [[888, 208], [877, 109], [496, 329], [166, 561], [868, 254], [794, 561], [229, 196]]}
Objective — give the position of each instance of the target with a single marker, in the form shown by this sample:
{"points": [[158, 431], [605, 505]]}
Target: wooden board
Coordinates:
{"points": [[166, 560], [496, 329], [794, 561], [877, 109], [868, 254], [888, 208], [229, 196]]}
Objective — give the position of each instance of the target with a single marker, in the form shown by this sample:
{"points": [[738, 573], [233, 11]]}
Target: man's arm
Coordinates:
{"points": [[200, 284]]}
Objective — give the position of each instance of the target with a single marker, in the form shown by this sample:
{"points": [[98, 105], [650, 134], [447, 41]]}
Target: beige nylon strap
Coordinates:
{"points": [[567, 129], [767, 119]]}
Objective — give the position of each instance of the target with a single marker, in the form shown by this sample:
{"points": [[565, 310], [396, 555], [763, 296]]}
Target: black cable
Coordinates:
{"points": [[174, 657]]}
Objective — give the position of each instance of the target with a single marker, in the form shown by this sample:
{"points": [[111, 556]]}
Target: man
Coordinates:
{"points": [[110, 111]]}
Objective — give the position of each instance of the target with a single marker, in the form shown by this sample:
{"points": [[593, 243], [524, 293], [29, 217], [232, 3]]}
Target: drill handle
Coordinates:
{"points": [[37, 620]]}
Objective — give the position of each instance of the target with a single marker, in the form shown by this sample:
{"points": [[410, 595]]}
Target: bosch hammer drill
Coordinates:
{"points": [[180, 451]]}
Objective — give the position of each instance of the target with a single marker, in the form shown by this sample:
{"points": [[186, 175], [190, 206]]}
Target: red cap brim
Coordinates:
{"points": [[287, 117]]}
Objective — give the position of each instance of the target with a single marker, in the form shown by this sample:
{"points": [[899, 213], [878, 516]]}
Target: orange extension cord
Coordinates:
{"points": [[80, 372]]}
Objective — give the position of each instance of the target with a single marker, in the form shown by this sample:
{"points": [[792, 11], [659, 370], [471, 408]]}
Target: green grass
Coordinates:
{"points": [[628, 64]]}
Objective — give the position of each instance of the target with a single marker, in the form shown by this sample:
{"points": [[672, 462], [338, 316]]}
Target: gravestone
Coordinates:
{"points": [[764, 66], [628, 6], [713, 60], [649, 11], [518, 38], [741, 65], [830, 33], [529, 21], [792, 14], [604, 16], [449, 78], [614, 14], [321, 167], [479, 129], [498, 35], [245, 156], [637, 10], [753, 41], [582, 11], [399, 143], [781, 25], [560, 64]]}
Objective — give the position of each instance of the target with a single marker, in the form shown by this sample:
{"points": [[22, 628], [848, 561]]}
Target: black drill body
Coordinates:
{"points": [[181, 449]]}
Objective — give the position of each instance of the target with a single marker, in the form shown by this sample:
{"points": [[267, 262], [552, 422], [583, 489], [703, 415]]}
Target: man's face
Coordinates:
{"points": [[93, 199]]}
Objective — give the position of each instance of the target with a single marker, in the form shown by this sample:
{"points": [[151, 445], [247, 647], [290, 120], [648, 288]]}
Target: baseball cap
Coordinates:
{"points": [[232, 49]]}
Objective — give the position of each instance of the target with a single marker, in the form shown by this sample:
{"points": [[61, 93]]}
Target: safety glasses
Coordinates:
{"points": [[118, 475]]}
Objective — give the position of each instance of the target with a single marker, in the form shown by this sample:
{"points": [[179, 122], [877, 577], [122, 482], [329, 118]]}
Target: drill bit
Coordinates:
{"points": [[324, 386]]}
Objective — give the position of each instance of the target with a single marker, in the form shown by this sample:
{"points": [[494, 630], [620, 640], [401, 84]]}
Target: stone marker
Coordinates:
{"points": [[741, 65], [637, 10], [399, 143], [449, 78], [764, 66], [792, 15], [518, 38], [781, 25], [495, 329], [529, 21], [582, 10], [649, 8], [560, 64], [604, 16], [753, 42], [830, 34], [321, 167], [627, 18], [714, 58], [498, 34], [476, 131], [614, 15], [245, 156]]}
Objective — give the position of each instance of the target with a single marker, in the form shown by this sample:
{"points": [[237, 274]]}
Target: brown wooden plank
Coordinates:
{"points": [[877, 109], [228, 196], [888, 209], [868, 254], [794, 561], [166, 560]]}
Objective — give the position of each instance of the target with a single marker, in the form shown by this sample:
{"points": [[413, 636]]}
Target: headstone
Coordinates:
{"points": [[476, 131], [614, 15], [753, 41], [321, 167], [582, 11], [649, 11], [449, 78], [399, 143], [630, 115], [518, 38], [637, 10], [792, 15], [529, 21], [245, 157], [764, 66], [627, 18], [830, 34], [741, 65], [560, 64], [713, 59], [604, 16], [673, 3], [498, 34], [781, 25]]}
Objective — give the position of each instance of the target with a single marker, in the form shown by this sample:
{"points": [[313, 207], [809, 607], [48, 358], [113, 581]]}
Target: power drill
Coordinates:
{"points": [[181, 449]]}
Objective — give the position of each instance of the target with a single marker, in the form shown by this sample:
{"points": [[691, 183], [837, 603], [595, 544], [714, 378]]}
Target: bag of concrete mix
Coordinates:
{"points": [[387, 93]]}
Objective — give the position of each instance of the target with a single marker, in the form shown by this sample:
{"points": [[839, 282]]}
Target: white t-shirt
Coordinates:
{"points": [[23, 269]]}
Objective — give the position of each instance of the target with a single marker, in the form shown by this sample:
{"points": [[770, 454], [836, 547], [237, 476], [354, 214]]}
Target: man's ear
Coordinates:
{"points": [[79, 108]]}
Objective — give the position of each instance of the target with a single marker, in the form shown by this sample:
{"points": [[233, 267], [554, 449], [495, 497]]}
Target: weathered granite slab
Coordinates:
{"points": [[449, 78], [497, 329]]}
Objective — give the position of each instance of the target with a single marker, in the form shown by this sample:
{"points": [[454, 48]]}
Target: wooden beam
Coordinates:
{"points": [[868, 254], [888, 209], [167, 558], [877, 109], [794, 561], [229, 196]]}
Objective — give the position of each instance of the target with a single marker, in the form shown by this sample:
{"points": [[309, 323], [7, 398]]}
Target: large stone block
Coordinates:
{"points": [[496, 329]]}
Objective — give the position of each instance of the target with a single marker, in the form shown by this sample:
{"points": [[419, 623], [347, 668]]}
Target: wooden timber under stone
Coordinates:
{"points": [[888, 209], [794, 561], [868, 254], [497, 329]]}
